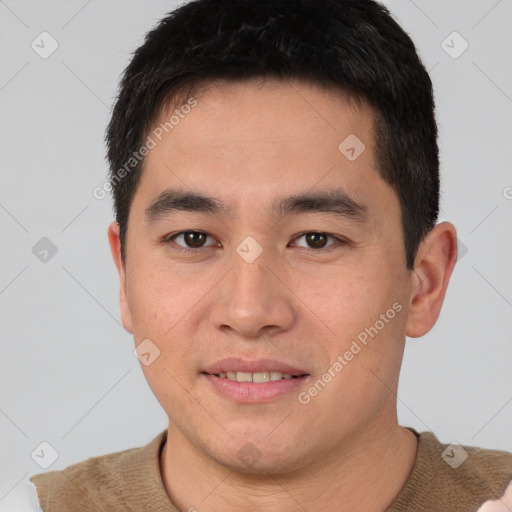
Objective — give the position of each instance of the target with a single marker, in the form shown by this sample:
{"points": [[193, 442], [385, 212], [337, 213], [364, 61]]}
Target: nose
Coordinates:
{"points": [[253, 299]]}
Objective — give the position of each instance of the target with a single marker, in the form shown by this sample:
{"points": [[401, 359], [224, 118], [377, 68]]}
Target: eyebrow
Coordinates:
{"points": [[334, 201]]}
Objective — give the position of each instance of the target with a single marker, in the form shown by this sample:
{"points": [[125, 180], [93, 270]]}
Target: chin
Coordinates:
{"points": [[259, 456]]}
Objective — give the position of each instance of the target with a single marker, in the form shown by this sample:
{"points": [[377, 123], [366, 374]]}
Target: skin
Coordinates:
{"points": [[249, 144]]}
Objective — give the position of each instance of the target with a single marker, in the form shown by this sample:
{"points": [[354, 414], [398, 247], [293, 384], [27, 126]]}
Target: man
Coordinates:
{"points": [[274, 167]]}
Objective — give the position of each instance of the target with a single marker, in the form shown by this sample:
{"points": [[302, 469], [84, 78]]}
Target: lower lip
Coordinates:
{"points": [[253, 393]]}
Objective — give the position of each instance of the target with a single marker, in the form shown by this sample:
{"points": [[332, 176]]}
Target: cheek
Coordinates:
{"points": [[347, 301], [159, 300], [366, 314], [162, 303]]}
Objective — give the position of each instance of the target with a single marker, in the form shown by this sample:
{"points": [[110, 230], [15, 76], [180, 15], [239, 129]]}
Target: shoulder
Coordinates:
{"points": [[451, 476], [483, 473], [462, 463], [486, 473], [23, 498], [98, 483]]}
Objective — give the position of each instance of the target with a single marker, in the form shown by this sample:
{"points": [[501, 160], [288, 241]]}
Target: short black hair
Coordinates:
{"points": [[353, 45]]}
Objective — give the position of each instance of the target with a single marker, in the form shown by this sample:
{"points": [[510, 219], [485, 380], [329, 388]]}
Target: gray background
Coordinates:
{"points": [[67, 371]]}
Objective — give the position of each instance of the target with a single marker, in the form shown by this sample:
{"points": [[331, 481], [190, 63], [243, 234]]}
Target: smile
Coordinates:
{"points": [[257, 377]]}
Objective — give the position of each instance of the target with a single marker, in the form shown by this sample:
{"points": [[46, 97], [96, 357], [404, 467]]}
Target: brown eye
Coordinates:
{"points": [[194, 239], [316, 240], [191, 239]]}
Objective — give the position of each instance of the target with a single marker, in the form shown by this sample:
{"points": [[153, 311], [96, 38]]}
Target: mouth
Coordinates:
{"points": [[254, 382], [256, 377]]}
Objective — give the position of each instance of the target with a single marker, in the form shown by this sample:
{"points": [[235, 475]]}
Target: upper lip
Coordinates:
{"points": [[236, 364]]}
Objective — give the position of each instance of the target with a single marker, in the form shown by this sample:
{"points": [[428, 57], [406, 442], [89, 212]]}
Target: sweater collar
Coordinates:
{"points": [[145, 489], [424, 465], [141, 476]]}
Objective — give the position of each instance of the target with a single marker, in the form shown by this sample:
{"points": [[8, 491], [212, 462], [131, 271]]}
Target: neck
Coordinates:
{"points": [[367, 473]]}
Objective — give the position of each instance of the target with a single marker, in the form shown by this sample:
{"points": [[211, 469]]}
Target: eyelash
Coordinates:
{"points": [[328, 249]]}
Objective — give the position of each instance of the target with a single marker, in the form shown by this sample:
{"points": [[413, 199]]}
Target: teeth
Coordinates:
{"points": [[244, 376], [261, 377], [254, 377]]}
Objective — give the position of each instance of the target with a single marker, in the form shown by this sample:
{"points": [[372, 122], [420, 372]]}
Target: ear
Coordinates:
{"points": [[114, 240], [433, 267]]}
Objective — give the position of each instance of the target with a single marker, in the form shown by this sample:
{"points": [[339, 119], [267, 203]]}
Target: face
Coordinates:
{"points": [[292, 263]]}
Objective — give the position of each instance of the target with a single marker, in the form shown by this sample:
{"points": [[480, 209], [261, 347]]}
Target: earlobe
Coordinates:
{"points": [[433, 267], [114, 240]]}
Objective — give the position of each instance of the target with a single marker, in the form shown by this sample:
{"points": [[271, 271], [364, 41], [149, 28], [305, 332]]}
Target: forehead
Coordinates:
{"points": [[243, 139], [252, 112]]}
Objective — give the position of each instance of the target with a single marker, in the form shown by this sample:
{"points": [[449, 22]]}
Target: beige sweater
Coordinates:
{"points": [[131, 481]]}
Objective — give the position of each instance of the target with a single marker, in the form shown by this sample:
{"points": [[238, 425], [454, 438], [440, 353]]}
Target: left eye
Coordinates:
{"points": [[317, 240]]}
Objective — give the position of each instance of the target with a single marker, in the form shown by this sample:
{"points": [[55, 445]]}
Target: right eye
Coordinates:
{"points": [[192, 240]]}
